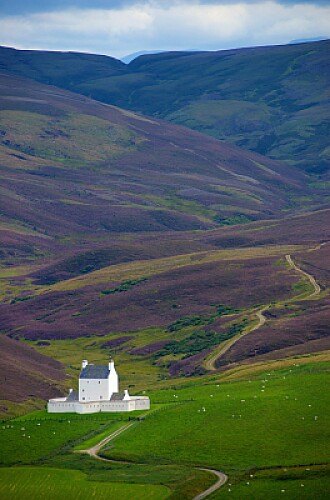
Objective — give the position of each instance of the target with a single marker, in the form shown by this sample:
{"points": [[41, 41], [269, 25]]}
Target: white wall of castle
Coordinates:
{"points": [[60, 405], [94, 390], [99, 389]]}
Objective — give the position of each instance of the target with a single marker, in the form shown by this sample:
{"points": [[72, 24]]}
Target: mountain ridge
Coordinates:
{"points": [[234, 95]]}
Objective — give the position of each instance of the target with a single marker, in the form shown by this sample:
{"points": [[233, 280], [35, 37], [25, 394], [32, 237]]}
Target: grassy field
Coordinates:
{"points": [[31, 438], [296, 482], [39, 446], [238, 426], [265, 426], [40, 482]]}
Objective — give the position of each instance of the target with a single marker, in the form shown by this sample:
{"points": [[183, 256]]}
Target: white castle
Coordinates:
{"points": [[98, 391]]}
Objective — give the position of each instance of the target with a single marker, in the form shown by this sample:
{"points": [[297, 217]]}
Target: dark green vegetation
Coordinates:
{"points": [[221, 310], [200, 340], [278, 108], [124, 286]]}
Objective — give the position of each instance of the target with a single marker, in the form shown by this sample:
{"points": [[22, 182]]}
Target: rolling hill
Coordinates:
{"points": [[272, 100], [125, 234], [71, 165]]}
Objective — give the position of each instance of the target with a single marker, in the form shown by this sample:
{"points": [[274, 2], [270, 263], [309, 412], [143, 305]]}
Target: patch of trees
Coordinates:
{"points": [[200, 340], [206, 319], [124, 286]]}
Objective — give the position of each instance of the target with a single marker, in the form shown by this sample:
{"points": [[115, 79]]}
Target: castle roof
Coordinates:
{"points": [[95, 372], [117, 396], [73, 396]]}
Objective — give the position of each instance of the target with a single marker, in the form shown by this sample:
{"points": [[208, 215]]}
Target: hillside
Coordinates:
{"points": [[129, 235], [63, 69], [71, 166], [272, 100], [27, 375]]}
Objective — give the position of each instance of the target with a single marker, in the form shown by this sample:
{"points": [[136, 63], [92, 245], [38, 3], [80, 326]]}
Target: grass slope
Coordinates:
{"points": [[272, 100], [39, 446], [230, 433], [35, 483], [258, 425]]}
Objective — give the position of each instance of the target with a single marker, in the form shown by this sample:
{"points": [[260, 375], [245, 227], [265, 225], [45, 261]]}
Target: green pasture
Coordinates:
{"points": [[268, 431], [29, 440], [305, 483], [280, 418], [184, 482], [42, 482], [46, 441]]}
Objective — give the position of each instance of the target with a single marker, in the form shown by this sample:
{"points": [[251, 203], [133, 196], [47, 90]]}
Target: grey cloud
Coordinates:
{"points": [[148, 26], [21, 7]]}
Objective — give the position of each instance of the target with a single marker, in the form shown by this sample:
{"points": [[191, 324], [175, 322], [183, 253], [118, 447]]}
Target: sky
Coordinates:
{"points": [[121, 27]]}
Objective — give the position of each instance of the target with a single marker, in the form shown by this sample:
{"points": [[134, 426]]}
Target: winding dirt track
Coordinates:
{"points": [[221, 481], [317, 288], [94, 450], [209, 363]]}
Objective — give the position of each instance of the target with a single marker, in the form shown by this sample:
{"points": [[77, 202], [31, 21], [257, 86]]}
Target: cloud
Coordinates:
{"points": [[174, 25], [23, 6]]}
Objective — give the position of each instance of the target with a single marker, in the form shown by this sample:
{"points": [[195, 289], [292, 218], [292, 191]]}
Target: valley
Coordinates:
{"points": [[190, 243]]}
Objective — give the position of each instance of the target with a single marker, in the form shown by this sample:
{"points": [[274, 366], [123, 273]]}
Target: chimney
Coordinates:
{"points": [[126, 395], [84, 363], [111, 364]]}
